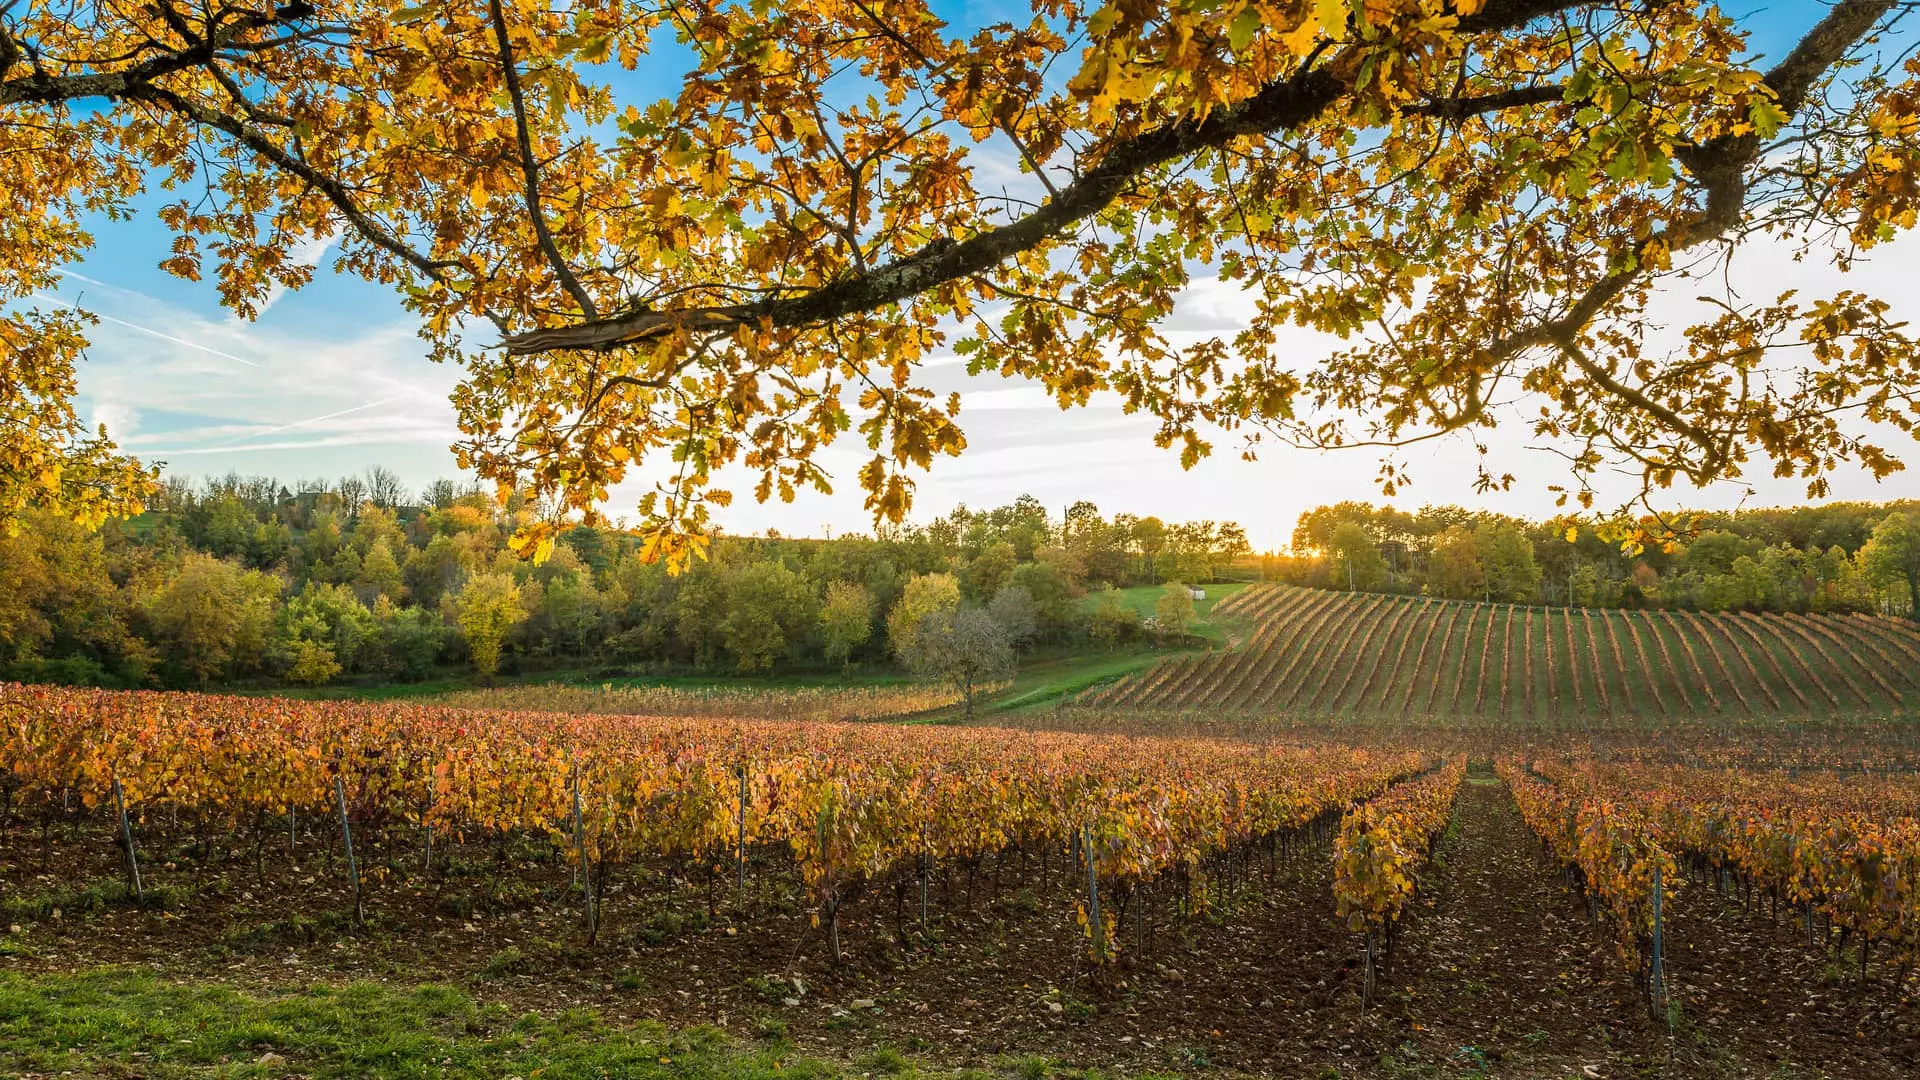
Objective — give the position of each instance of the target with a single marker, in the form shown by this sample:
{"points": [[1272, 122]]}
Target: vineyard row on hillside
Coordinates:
{"points": [[1319, 653]]}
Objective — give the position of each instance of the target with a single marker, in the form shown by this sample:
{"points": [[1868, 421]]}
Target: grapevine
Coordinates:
{"points": [[1380, 847]]}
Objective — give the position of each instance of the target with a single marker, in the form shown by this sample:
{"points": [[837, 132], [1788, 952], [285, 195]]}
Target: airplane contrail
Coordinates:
{"points": [[229, 444], [149, 330], [309, 420]]}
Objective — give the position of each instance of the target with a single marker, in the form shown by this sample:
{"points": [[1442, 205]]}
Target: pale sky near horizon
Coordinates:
{"points": [[332, 379]]}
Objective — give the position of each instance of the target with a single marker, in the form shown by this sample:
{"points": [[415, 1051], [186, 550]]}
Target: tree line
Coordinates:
{"points": [[1843, 556], [245, 580]]}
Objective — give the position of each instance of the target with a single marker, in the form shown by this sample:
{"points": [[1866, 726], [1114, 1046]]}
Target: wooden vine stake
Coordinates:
{"points": [[925, 865], [582, 873], [1093, 897], [1656, 963], [1366, 984], [740, 847], [126, 840], [426, 826], [346, 840]]}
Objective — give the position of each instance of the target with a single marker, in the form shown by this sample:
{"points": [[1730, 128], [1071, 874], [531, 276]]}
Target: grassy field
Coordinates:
{"points": [[1141, 598], [1330, 654], [1049, 679], [124, 1022]]}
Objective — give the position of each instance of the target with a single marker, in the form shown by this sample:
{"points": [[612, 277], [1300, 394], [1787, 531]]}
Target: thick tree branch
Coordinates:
{"points": [[9, 48], [40, 88], [1284, 104], [1460, 108], [1720, 168], [530, 168]]}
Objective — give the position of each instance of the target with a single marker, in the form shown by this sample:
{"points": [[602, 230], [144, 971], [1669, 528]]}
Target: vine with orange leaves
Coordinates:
{"points": [[847, 803], [1380, 848], [1842, 849], [1609, 851]]}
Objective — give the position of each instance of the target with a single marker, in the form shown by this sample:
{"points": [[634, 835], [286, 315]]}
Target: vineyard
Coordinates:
{"points": [[1840, 852], [846, 806], [800, 703], [1317, 654], [1119, 899]]}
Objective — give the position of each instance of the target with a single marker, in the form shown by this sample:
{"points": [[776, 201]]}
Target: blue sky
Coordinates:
{"points": [[332, 379]]}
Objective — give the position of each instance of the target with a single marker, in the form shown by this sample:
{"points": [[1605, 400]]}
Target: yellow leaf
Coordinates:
{"points": [[1333, 17], [1299, 40]]}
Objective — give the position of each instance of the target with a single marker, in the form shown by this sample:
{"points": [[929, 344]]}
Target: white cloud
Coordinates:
{"points": [[117, 417], [223, 394], [1009, 398], [307, 253], [1211, 304]]}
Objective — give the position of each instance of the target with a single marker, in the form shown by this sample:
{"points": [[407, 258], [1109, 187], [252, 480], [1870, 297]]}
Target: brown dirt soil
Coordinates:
{"points": [[1497, 971]]}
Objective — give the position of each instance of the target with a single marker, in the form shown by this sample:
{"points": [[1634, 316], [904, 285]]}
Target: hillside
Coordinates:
{"points": [[1317, 653]]}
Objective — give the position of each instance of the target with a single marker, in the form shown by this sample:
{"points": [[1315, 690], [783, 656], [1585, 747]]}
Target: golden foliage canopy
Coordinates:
{"points": [[1478, 195]]}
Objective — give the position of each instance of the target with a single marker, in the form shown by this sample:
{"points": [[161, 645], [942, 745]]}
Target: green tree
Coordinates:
{"points": [[407, 641], [1013, 607], [1507, 558], [1173, 610], [1755, 587], [573, 621], [331, 615], [989, 570], [229, 529], [486, 608], [699, 605], [769, 611], [377, 524], [58, 597], [924, 595], [313, 664], [1583, 586], [1230, 543], [1892, 556], [1112, 621], [322, 544], [846, 620], [380, 573], [1356, 560], [1713, 551], [1149, 539], [270, 544], [964, 647], [433, 571], [1056, 601], [213, 616], [1454, 570]]}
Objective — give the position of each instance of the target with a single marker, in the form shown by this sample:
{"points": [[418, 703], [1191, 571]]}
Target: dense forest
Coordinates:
{"points": [[1846, 556], [246, 580]]}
